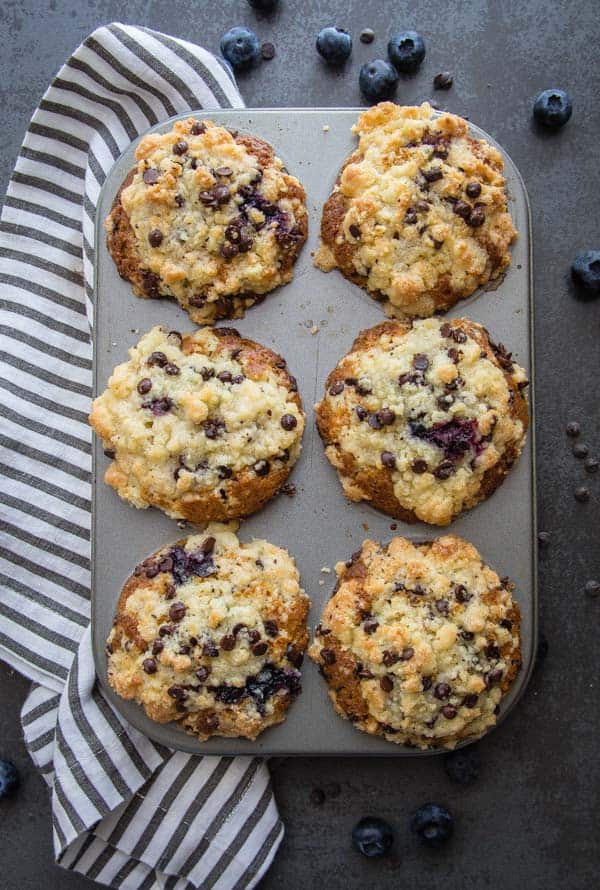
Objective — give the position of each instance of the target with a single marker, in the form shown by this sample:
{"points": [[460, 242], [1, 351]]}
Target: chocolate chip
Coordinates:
{"points": [[459, 335], [110, 453], [462, 594], [157, 358], [506, 623], [180, 147], [150, 176], [229, 250], [370, 626], [442, 691], [271, 628], [426, 683], [260, 648], [462, 209], [432, 174], [328, 656], [573, 429], [582, 494], [336, 388], [443, 81], [171, 369], [149, 665], [386, 683], [467, 635], [184, 650], [207, 373], [225, 376], [444, 470], [165, 630], [361, 412], [493, 677], [443, 606], [449, 712], [210, 650], [422, 206], [144, 386], [407, 653], [177, 692], [470, 700], [420, 362], [390, 657], [473, 189], [157, 647], [214, 429], [289, 422], [410, 216], [446, 330], [492, 651], [198, 127], [227, 642], [221, 193], [155, 238], [253, 636], [592, 588], [580, 449], [203, 673], [294, 656], [386, 416], [374, 421], [354, 231], [179, 200], [367, 35], [261, 467], [419, 466], [453, 355], [267, 51], [363, 389], [177, 611], [388, 460], [477, 218]]}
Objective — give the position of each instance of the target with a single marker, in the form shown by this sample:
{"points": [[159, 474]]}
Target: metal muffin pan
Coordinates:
{"points": [[318, 526]]}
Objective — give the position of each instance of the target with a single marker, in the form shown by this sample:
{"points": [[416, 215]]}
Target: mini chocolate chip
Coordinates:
{"points": [[410, 216], [388, 460], [229, 250], [390, 657], [422, 206], [336, 388], [477, 218], [184, 650], [227, 642], [467, 635], [203, 673], [426, 683], [198, 127], [260, 648], [432, 174], [506, 623], [573, 429], [149, 665], [223, 171], [165, 630], [370, 626], [177, 611], [453, 354], [180, 147], [210, 650], [374, 421], [407, 653], [419, 466], [144, 386], [253, 636], [420, 362], [492, 651], [289, 422], [443, 606], [271, 628], [179, 200], [177, 692], [172, 369], [592, 588], [386, 683], [363, 390], [207, 373], [157, 647], [294, 656], [449, 712], [225, 376], [443, 81], [473, 189], [494, 676], [354, 230], [157, 358], [237, 379], [582, 494], [221, 193], [442, 691], [110, 453], [328, 656], [150, 176], [267, 51], [462, 594], [444, 470], [458, 335], [386, 416], [470, 700], [462, 209], [361, 412], [155, 238], [262, 467], [592, 465], [446, 330], [580, 449]]}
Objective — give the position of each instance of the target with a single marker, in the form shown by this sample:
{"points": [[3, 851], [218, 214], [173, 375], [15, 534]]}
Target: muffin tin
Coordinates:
{"points": [[312, 322]]}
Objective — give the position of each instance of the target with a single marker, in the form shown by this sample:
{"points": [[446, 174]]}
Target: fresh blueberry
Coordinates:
{"points": [[9, 778], [553, 108], [334, 45], [377, 80], [264, 5], [372, 837], [240, 46], [462, 766], [585, 272], [406, 50], [433, 824]]}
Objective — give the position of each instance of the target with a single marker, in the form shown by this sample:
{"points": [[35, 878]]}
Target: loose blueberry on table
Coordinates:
{"points": [[553, 108], [240, 46], [264, 5], [9, 778], [334, 45], [406, 51], [377, 80], [585, 272], [433, 824], [372, 837], [462, 766]]}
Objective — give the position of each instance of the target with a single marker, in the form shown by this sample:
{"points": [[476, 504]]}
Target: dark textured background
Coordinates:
{"points": [[532, 818]]}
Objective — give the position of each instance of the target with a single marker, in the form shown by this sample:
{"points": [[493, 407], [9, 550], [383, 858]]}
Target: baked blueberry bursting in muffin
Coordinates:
{"points": [[423, 420], [419, 642], [208, 216], [204, 426], [211, 633], [418, 216]]}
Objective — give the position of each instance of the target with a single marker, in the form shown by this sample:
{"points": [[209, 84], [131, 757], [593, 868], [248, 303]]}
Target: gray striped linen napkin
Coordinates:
{"points": [[126, 812]]}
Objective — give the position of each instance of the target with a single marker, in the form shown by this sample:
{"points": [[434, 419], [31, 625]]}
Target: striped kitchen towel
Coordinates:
{"points": [[126, 812]]}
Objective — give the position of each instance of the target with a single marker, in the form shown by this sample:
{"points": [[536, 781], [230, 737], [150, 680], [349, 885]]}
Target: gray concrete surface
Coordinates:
{"points": [[531, 820]]}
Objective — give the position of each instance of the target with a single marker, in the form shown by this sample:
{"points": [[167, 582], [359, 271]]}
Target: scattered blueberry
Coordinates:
{"points": [[585, 271], [264, 5], [544, 538], [9, 778], [592, 465], [240, 46], [592, 588], [377, 80], [334, 45], [443, 81], [372, 837], [433, 824], [553, 108], [367, 36], [580, 449], [406, 50], [582, 494], [573, 429], [462, 766]]}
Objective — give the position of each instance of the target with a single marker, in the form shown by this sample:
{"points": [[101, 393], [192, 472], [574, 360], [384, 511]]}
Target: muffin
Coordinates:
{"points": [[423, 420], [204, 426], [210, 633], [418, 216], [419, 642], [208, 216]]}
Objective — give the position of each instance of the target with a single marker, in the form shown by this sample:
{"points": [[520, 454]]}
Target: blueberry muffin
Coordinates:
{"points": [[418, 216], [204, 426], [423, 419], [211, 632], [208, 216], [419, 642]]}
